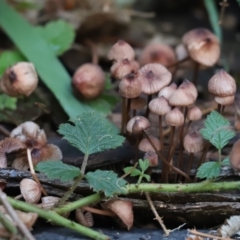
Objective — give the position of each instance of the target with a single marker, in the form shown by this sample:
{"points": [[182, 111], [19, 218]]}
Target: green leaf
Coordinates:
{"points": [[108, 83], [59, 35], [7, 102], [143, 164], [147, 177], [217, 130], [58, 170], [134, 172], [9, 58], [225, 162], [209, 170], [90, 133], [107, 182]]}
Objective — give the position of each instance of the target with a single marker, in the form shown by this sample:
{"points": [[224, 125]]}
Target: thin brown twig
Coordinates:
{"points": [[29, 157], [157, 217], [195, 232], [21, 226], [4, 131]]}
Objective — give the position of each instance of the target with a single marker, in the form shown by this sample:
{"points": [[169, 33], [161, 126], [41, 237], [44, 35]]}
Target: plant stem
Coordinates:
{"points": [[219, 156], [75, 184], [94, 198], [204, 186], [10, 226], [57, 219]]}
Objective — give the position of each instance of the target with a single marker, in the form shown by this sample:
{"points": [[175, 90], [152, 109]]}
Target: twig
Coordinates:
{"points": [[178, 228], [224, 4], [22, 227], [29, 157], [4, 131], [157, 217], [195, 232]]}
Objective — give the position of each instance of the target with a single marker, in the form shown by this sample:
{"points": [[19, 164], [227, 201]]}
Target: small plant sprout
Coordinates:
{"points": [[20, 79], [90, 134], [88, 81], [223, 87], [153, 78], [218, 132]]}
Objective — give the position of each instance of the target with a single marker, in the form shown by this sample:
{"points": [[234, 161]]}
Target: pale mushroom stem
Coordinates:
{"points": [[163, 158], [195, 73], [29, 157], [148, 101]]}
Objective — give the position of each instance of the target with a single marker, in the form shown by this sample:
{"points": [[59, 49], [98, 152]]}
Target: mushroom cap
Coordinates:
{"points": [[88, 81], [137, 124], [159, 106], [152, 157], [194, 113], [222, 84], [154, 77], [157, 53], [174, 117], [193, 142], [130, 86], [145, 145], [121, 50], [235, 155], [185, 95], [167, 91], [123, 67], [202, 45], [225, 101]]}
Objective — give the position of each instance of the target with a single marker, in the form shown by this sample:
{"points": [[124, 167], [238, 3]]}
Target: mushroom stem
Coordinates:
{"points": [[136, 148], [163, 158], [134, 112], [29, 157], [190, 161], [148, 101], [94, 51], [123, 115], [195, 73], [178, 62], [219, 108], [99, 211], [160, 131], [128, 109]]}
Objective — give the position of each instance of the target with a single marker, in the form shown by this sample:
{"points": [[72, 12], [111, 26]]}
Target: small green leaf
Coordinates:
{"points": [[143, 164], [209, 170], [59, 34], [7, 102], [147, 177], [107, 182], [91, 133], [108, 83], [226, 162], [217, 130], [134, 172], [9, 58], [58, 170]]}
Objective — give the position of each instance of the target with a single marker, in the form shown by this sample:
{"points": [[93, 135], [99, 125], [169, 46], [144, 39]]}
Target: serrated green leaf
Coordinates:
{"points": [[209, 170], [107, 182], [7, 102], [217, 130], [90, 133], [147, 177], [9, 58], [58, 170], [59, 34], [226, 162], [143, 164], [134, 172]]}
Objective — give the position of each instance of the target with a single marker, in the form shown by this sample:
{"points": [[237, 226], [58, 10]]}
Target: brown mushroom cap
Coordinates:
{"points": [[185, 95], [130, 86], [137, 124], [235, 155], [193, 142], [138, 103], [123, 67], [153, 78], [159, 106], [174, 117], [194, 113], [152, 157], [145, 145], [157, 53], [121, 50], [222, 84], [203, 46], [225, 101], [167, 91]]}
